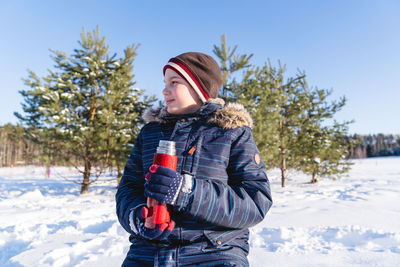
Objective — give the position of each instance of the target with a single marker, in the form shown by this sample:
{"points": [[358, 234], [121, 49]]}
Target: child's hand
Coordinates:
{"points": [[163, 184], [160, 232]]}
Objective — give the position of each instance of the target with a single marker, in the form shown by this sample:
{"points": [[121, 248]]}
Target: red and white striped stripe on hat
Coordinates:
{"points": [[185, 72]]}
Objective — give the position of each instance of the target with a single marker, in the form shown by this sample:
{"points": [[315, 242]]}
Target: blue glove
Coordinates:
{"points": [[163, 184], [160, 232]]}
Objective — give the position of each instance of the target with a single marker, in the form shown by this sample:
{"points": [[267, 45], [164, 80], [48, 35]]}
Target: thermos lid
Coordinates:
{"points": [[166, 147]]}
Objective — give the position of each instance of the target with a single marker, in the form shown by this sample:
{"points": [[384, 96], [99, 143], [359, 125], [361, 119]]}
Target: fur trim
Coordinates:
{"points": [[152, 114], [218, 101], [232, 115]]}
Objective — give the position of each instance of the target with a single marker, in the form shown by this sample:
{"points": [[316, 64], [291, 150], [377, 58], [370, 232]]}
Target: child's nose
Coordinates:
{"points": [[165, 91]]}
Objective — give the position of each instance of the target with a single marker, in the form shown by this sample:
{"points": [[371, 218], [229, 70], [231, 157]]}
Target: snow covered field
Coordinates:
{"points": [[354, 221]]}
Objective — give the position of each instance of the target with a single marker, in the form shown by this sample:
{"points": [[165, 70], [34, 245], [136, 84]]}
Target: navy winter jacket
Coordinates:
{"points": [[231, 191]]}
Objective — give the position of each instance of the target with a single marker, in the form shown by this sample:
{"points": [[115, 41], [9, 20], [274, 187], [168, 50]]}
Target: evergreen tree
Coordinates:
{"points": [[88, 104], [324, 147], [276, 106], [285, 133], [257, 92], [288, 122], [229, 63]]}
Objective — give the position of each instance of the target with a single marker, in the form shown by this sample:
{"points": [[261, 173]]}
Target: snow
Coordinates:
{"points": [[64, 111], [67, 95], [353, 221]]}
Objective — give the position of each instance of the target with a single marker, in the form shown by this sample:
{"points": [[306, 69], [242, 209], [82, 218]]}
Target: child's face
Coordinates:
{"points": [[179, 96]]}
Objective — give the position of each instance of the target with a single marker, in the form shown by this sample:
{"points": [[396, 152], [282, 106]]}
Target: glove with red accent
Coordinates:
{"points": [[160, 232], [163, 184]]}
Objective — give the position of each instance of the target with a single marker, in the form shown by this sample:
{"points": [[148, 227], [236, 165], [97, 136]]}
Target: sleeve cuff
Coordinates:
{"points": [[186, 192], [132, 218]]}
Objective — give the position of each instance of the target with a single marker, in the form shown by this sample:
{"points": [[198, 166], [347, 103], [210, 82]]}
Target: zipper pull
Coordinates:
{"points": [[191, 151]]}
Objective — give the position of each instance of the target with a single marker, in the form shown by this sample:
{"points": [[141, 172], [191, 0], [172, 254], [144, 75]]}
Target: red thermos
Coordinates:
{"points": [[158, 211]]}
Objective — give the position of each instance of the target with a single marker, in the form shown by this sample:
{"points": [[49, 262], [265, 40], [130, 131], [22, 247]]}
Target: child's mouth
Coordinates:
{"points": [[169, 101]]}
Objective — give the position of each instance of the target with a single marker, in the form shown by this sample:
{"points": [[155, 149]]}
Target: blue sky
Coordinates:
{"points": [[349, 46]]}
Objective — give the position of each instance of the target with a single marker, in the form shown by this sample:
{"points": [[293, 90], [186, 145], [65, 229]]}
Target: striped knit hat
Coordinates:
{"points": [[200, 71]]}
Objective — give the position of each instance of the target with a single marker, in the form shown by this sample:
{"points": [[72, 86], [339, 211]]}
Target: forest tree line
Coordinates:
{"points": [[18, 150], [374, 145]]}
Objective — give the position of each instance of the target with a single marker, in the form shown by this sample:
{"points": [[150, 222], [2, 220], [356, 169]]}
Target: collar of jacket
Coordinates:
{"points": [[227, 116]]}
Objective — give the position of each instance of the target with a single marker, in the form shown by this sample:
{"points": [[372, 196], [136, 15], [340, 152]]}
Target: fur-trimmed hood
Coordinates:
{"points": [[229, 116]]}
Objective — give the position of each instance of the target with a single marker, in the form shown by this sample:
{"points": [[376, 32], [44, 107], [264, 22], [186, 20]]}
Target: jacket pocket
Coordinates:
{"points": [[192, 156], [222, 240]]}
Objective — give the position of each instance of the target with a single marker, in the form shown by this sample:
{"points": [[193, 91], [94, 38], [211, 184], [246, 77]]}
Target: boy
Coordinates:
{"points": [[220, 188]]}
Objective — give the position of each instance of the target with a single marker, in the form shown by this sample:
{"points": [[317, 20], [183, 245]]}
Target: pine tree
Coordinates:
{"points": [[88, 105], [230, 62], [34, 123], [288, 123], [323, 144], [258, 94], [291, 100], [284, 132], [272, 103], [276, 106]]}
